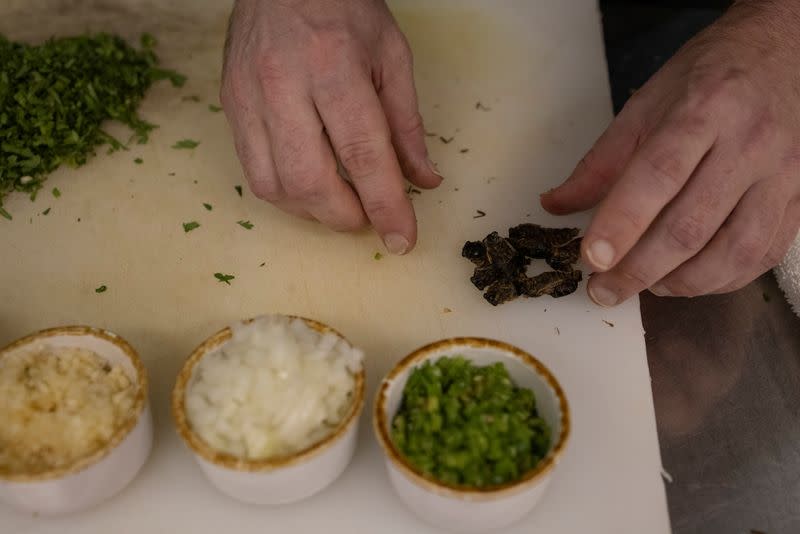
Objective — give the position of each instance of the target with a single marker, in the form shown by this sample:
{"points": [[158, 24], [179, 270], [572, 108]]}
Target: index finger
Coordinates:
{"points": [[656, 173], [359, 132]]}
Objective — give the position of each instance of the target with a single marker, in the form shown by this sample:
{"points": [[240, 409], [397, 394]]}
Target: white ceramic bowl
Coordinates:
{"points": [[454, 508], [94, 478], [271, 481]]}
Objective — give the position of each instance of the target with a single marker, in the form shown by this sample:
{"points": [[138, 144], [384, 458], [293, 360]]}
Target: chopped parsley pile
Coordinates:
{"points": [[469, 426], [54, 98]]}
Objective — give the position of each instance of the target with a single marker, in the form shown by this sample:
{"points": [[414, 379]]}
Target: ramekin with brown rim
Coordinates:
{"points": [[104, 472], [278, 480], [467, 510]]}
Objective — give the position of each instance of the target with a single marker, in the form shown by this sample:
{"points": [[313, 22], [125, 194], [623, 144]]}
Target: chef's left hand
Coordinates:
{"points": [[697, 180]]}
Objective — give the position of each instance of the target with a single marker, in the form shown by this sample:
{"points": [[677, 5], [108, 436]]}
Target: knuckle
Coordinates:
{"points": [[747, 251], [633, 221], [379, 208], [763, 136], [399, 51], [681, 286], [688, 233], [637, 274], [666, 168], [593, 165], [711, 90], [694, 122], [267, 189], [349, 223], [327, 48], [361, 156], [304, 185], [270, 68], [411, 125]]}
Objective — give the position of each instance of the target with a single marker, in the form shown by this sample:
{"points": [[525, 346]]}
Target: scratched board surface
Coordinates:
{"points": [[538, 70]]}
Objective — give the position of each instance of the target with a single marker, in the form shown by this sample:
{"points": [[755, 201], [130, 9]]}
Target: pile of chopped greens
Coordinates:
{"points": [[469, 426], [54, 98]]}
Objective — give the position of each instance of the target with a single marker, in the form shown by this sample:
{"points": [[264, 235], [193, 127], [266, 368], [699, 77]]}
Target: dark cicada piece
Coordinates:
{"points": [[561, 258], [537, 242]]}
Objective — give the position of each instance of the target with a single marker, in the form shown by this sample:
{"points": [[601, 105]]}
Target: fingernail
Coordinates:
{"points": [[660, 290], [601, 254], [434, 169], [604, 297], [396, 244]]}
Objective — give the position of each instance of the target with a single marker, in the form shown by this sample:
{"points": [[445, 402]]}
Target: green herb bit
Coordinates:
{"points": [[245, 224], [138, 161], [101, 289], [226, 278], [378, 256], [188, 227], [175, 78], [214, 109], [147, 41], [238, 189], [184, 144], [5, 214], [56, 192], [46, 212], [191, 98], [469, 426], [207, 206]]}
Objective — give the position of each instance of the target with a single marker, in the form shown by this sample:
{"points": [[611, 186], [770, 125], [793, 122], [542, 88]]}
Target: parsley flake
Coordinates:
{"points": [[56, 192], [245, 224], [188, 227], [226, 278], [214, 109], [238, 189], [185, 144], [138, 161], [101, 289], [207, 206]]}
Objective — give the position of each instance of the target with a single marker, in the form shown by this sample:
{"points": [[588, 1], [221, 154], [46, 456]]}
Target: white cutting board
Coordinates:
{"points": [[538, 65]]}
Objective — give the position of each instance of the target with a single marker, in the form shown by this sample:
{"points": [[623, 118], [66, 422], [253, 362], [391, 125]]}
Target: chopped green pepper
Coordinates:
{"points": [[469, 426]]}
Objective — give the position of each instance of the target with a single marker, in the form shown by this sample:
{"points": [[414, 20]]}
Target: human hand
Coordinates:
{"points": [[307, 82], [697, 180]]}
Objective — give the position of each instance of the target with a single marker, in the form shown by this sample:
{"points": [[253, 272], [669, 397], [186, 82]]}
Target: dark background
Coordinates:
{"points": [[640, 36], [725, 369]]}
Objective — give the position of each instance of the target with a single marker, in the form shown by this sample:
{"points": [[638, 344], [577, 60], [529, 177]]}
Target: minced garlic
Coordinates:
{"points": [[58, 405]]}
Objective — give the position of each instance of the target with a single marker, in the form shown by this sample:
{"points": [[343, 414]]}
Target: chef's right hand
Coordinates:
{"points": [[308, 81]]}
